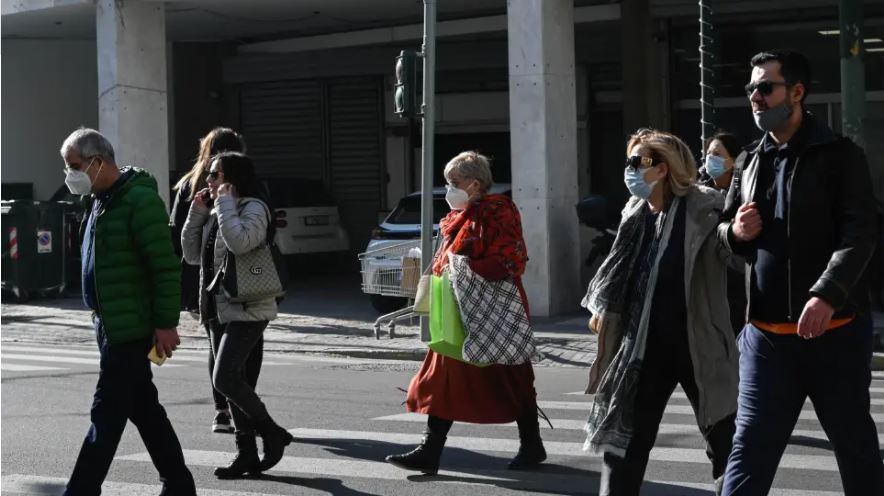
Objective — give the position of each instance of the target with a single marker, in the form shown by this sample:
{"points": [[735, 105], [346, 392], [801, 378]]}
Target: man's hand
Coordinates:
{"points": [[815, 318], [166, 340], [747, 224]]}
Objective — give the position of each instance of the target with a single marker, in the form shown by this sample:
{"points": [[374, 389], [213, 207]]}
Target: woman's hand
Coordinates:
{"points": [[226, 189], [199, 198], [595, 324]]}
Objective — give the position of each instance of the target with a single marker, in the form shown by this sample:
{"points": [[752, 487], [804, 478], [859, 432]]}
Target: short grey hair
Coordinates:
{"points": [[471, 165], [89, 143]]}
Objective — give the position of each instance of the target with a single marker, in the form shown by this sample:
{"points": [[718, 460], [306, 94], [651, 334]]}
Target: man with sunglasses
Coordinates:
{"points": [[131, 281], [802, 213]]}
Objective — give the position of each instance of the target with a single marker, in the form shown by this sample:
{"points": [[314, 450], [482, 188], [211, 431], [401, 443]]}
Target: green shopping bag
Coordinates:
{"points": [[447, 333]]}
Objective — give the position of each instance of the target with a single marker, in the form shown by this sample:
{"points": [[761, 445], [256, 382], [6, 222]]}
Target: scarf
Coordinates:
{"points": [[489, 227], [621, 294]]}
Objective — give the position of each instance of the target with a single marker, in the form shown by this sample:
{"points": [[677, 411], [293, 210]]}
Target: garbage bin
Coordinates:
{"points": [[33, 258]]}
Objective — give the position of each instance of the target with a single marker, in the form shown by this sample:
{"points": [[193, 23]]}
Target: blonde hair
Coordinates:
{"points": [[668, 148], [471, 165]]}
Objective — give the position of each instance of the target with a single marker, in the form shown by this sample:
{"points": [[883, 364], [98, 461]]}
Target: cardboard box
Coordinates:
{"points": [[411, 274]]}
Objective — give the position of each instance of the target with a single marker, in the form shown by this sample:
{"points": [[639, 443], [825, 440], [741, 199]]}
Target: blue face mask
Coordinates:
{"points": [[715, 166], [636, 184]]}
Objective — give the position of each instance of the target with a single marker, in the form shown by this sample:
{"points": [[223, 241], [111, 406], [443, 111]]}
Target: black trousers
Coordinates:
{"points": [[125, 391], [667, 363], [215, 332], [229, 377]]}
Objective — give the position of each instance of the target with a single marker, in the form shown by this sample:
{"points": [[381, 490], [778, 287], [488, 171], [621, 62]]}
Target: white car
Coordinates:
{"points": [[307, 219], [404, 224]]}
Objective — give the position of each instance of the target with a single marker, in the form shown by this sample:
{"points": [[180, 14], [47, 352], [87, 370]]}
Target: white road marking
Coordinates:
{"points": [[14, 367]]}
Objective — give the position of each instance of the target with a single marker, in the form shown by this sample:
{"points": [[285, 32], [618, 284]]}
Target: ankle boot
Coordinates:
{"points": [[275, 438], [246, 461], [424, 458], [531, 451]]}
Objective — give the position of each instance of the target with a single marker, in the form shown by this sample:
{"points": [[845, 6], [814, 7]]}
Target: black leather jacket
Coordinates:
{"points": [[831, 222]]}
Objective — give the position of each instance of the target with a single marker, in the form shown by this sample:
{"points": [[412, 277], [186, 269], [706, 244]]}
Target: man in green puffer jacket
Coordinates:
{"points": [[131, 281]]}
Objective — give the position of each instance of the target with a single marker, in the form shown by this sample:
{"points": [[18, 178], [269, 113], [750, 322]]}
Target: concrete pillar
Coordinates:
{"points": [[645, 69], [132, 98], [543, 127]]}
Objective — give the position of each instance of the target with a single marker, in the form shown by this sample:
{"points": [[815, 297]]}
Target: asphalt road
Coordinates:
{"points": [[346, 415]]}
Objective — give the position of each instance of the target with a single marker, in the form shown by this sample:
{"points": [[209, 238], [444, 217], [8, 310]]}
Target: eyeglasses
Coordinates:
{"points": [[763, 87], [214, 174], [91, 159], [638, 162]]}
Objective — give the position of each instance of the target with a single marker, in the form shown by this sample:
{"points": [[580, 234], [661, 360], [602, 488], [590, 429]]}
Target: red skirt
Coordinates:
{"points": [[454, 390]]}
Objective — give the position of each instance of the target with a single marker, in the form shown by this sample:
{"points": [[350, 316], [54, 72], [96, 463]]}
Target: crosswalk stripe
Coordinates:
{"points": [[773, 491], [35, 485], [467, 443], [579, 424], [381, 470], [41, 358], [365, 469], [680, 394], [57, 359], [806, 414], [177, 356], [14, 367]]}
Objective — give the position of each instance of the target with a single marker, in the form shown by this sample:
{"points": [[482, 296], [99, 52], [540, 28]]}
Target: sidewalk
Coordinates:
{"points": [[328, 316], [320, 315]]}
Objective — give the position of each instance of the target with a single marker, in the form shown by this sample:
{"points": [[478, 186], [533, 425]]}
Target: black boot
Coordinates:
{"points": [[246, 461], [275, 439], [424, 458], [531, 451]]}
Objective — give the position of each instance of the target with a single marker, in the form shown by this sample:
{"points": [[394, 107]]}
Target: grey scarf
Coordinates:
{"points": [[620, 295]]}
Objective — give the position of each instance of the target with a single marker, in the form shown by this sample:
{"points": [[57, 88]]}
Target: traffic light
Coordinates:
{"points": [[404, 94]]}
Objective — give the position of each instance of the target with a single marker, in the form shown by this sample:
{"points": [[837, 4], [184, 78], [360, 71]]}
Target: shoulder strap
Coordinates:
{"points": [[271, 221]]}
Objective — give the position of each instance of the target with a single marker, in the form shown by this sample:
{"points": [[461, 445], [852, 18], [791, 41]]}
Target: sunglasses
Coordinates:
{"points": [[214, 174], [764, 87], [636, 162]]}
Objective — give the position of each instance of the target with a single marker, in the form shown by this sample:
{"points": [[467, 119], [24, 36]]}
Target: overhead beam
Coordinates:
{"points": [[411, 32]]}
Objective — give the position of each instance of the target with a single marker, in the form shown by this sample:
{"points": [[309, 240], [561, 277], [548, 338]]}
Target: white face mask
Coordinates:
{"points": [[457, 199], [78, 182]]}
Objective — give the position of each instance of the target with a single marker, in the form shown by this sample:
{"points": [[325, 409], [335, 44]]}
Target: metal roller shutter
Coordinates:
{"points": [[282, 123], [356, 153]]}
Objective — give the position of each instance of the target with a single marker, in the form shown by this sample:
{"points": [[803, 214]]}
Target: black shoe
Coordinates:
{"points": [[530, 455], [424, 458], [246, 461], [221, 423], [531, 451], [275, 439]]}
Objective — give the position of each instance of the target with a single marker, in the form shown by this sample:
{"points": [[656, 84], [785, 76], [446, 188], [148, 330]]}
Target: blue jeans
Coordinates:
{"points": [[777, 373], [125, 391]]}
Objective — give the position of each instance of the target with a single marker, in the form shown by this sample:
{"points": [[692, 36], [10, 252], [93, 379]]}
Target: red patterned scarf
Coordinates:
{"points": [[489, 227]]}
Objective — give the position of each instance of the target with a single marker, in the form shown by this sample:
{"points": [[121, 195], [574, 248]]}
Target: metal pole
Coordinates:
{"points": [[429, 128], [707, 59], [853, 80]]}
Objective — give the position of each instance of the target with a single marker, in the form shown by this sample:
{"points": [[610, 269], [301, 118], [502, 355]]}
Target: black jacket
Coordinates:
{"points": [[831, 221]]}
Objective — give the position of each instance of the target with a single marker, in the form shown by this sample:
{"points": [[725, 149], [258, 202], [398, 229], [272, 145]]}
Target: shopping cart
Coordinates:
{"points": [[392, 271]]}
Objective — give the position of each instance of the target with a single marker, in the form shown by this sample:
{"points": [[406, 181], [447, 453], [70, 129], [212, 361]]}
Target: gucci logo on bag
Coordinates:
{"points": [[256, 270]]}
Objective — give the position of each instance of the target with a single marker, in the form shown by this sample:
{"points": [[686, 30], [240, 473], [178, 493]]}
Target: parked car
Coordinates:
{"points": [[403, 223], [307, 219]]}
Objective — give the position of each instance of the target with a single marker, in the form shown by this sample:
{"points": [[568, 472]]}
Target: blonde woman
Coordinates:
{"points": [[659, 304]]}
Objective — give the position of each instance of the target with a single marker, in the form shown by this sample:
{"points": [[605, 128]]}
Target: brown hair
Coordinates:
{"points": [[220, 139]]}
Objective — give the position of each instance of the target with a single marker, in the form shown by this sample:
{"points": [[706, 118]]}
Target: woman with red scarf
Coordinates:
{"points": [[487, 228]]}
